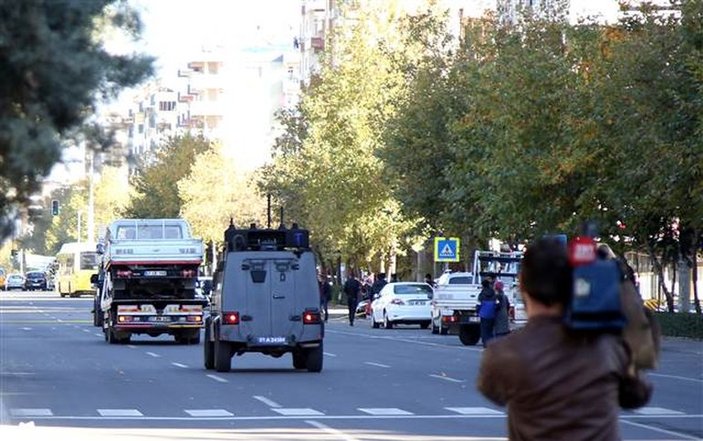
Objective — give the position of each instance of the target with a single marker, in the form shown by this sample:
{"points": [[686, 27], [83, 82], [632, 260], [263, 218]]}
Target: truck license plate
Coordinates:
{"points": [[154, 273], [271, 340], [160, 319], [474, 319]]}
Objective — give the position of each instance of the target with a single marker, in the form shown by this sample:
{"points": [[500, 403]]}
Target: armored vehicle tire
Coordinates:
{"points": [[299, 360], [435, 328], [222, 356], [313, 359], [208, 350], [425, 325], [469, 335]]}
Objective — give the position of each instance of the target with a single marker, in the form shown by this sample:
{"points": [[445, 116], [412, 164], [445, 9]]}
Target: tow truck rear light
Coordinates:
{"points": [[449, 319], [124, 274], [195, 318], [311, 317], [124, 318], [397, 302], [188, 273], [231, 318]]}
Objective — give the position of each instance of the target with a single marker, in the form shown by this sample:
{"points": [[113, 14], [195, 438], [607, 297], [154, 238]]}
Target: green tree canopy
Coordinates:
{"points": [[155, 183], [54, 68]]}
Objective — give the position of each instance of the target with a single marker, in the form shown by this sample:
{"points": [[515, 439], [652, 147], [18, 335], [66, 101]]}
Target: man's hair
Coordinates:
{"points": [[545, 272]]}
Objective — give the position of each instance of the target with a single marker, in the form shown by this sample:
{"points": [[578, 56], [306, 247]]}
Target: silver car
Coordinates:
{"points": [[14, 281]]}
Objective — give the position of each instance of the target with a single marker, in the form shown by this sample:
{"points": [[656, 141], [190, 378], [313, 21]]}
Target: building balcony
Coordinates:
{"points": [[206, 82], [317, 43], [206, 108]]}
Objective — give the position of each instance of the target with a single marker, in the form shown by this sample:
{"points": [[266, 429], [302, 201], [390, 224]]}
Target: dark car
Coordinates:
{"points": [[35, 280]]}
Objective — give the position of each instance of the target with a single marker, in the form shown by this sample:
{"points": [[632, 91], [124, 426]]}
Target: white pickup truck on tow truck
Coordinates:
{"points": [[455, 299], [147, 281]]}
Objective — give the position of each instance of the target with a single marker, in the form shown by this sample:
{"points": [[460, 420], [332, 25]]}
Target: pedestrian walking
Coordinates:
{"points": [[502, 320], [558, 383], [352, 288], [487, 310], [325, 295]]}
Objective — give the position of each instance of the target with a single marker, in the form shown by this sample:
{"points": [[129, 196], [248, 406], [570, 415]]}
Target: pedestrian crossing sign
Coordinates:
{"points": [[446, 249]]}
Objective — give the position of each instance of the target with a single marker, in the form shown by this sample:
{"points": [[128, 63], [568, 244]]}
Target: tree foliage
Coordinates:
{"points": [[216, 191], [54, 68], [155, 184]]}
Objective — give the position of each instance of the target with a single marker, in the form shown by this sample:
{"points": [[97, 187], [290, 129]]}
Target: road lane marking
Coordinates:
{"points": [[200, 413], [474, 411], [356, 417], [120, 413], [386, 411], [405, 340], [86, 330], [151, 354], [675, 377], [97, 334], [328, 354], [216, 378], [298, 411], [657, 429], [381, 365], [131, 347], [180, 365], [329, 430], [657, 411], [31, 412], [26, 329], [266, 401], [445, 378]]}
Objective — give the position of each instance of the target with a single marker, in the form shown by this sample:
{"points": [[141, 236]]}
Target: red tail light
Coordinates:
{"points": [[311, 317], [449, 319], [397, 302], [188, 273], [231, 318], [511, 312], [124, 274]]}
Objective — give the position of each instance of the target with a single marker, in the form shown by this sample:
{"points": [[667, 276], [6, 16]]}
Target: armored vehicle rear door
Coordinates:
{"points": [[270, 306]]}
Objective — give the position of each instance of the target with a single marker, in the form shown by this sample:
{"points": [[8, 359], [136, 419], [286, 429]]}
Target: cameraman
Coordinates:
{"points": [[558, 384]]}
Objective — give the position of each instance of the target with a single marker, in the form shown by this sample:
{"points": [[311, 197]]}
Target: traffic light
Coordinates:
{"points": [[55, 207]]}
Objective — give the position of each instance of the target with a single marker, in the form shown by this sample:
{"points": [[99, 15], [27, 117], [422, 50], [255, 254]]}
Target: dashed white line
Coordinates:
{"points": [[209, 413], [328, 354], [131, 347], [31, 412], [216, 378], [120, 413], [675, 377], [334, 432], [445, 378], [381, 365], [384, 411], [86, 330], [180, 365], [266, 401], [151, 354], [657, 429], [474, 411], [657, 411], [298, 411], [97, 334], [26, 329]]}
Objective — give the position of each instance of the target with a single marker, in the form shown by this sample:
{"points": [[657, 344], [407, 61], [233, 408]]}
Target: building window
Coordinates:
{"points": [[141, 128], [167, 106]]}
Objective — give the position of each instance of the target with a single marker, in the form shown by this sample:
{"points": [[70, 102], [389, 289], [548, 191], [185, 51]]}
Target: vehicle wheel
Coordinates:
{"points": [[111, 336], [443, 330], [387, 323], [374, 323], [208, 350], [195, 340], [424, 325], [469, 335], [299, 359], [125, 340], [222, 356], [313, 359]]}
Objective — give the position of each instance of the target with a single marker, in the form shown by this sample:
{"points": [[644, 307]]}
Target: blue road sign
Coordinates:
{"points": [[446, 249]]}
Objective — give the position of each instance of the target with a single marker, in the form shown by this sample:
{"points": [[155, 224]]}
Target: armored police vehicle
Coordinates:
{"points": [[265, 299]]}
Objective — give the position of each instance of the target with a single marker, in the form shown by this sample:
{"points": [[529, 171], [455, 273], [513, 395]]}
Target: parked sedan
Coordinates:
{"points": [[14, 281], [402, 303], [35, 280]]}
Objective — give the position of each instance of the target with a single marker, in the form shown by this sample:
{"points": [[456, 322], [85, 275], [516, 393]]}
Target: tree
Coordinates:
{"points": [[216, 191], [54, 69], [155, 183]]}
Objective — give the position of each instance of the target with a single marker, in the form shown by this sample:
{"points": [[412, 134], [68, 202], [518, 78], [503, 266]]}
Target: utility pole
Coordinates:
{"points": [[91, 202]]}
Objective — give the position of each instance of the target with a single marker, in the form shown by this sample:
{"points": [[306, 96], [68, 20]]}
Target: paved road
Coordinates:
{"points": [[58, 377]]}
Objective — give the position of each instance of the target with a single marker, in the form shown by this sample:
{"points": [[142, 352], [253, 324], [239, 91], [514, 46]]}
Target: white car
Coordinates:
{"points": [[402, 302]]}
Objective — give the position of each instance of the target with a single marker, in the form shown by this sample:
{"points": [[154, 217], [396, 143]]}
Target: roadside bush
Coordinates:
{"points": [[677, 324]]}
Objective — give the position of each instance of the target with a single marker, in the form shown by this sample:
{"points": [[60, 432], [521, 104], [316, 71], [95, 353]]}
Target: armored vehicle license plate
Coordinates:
{"points": [[271, 340], [154, 273]]}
